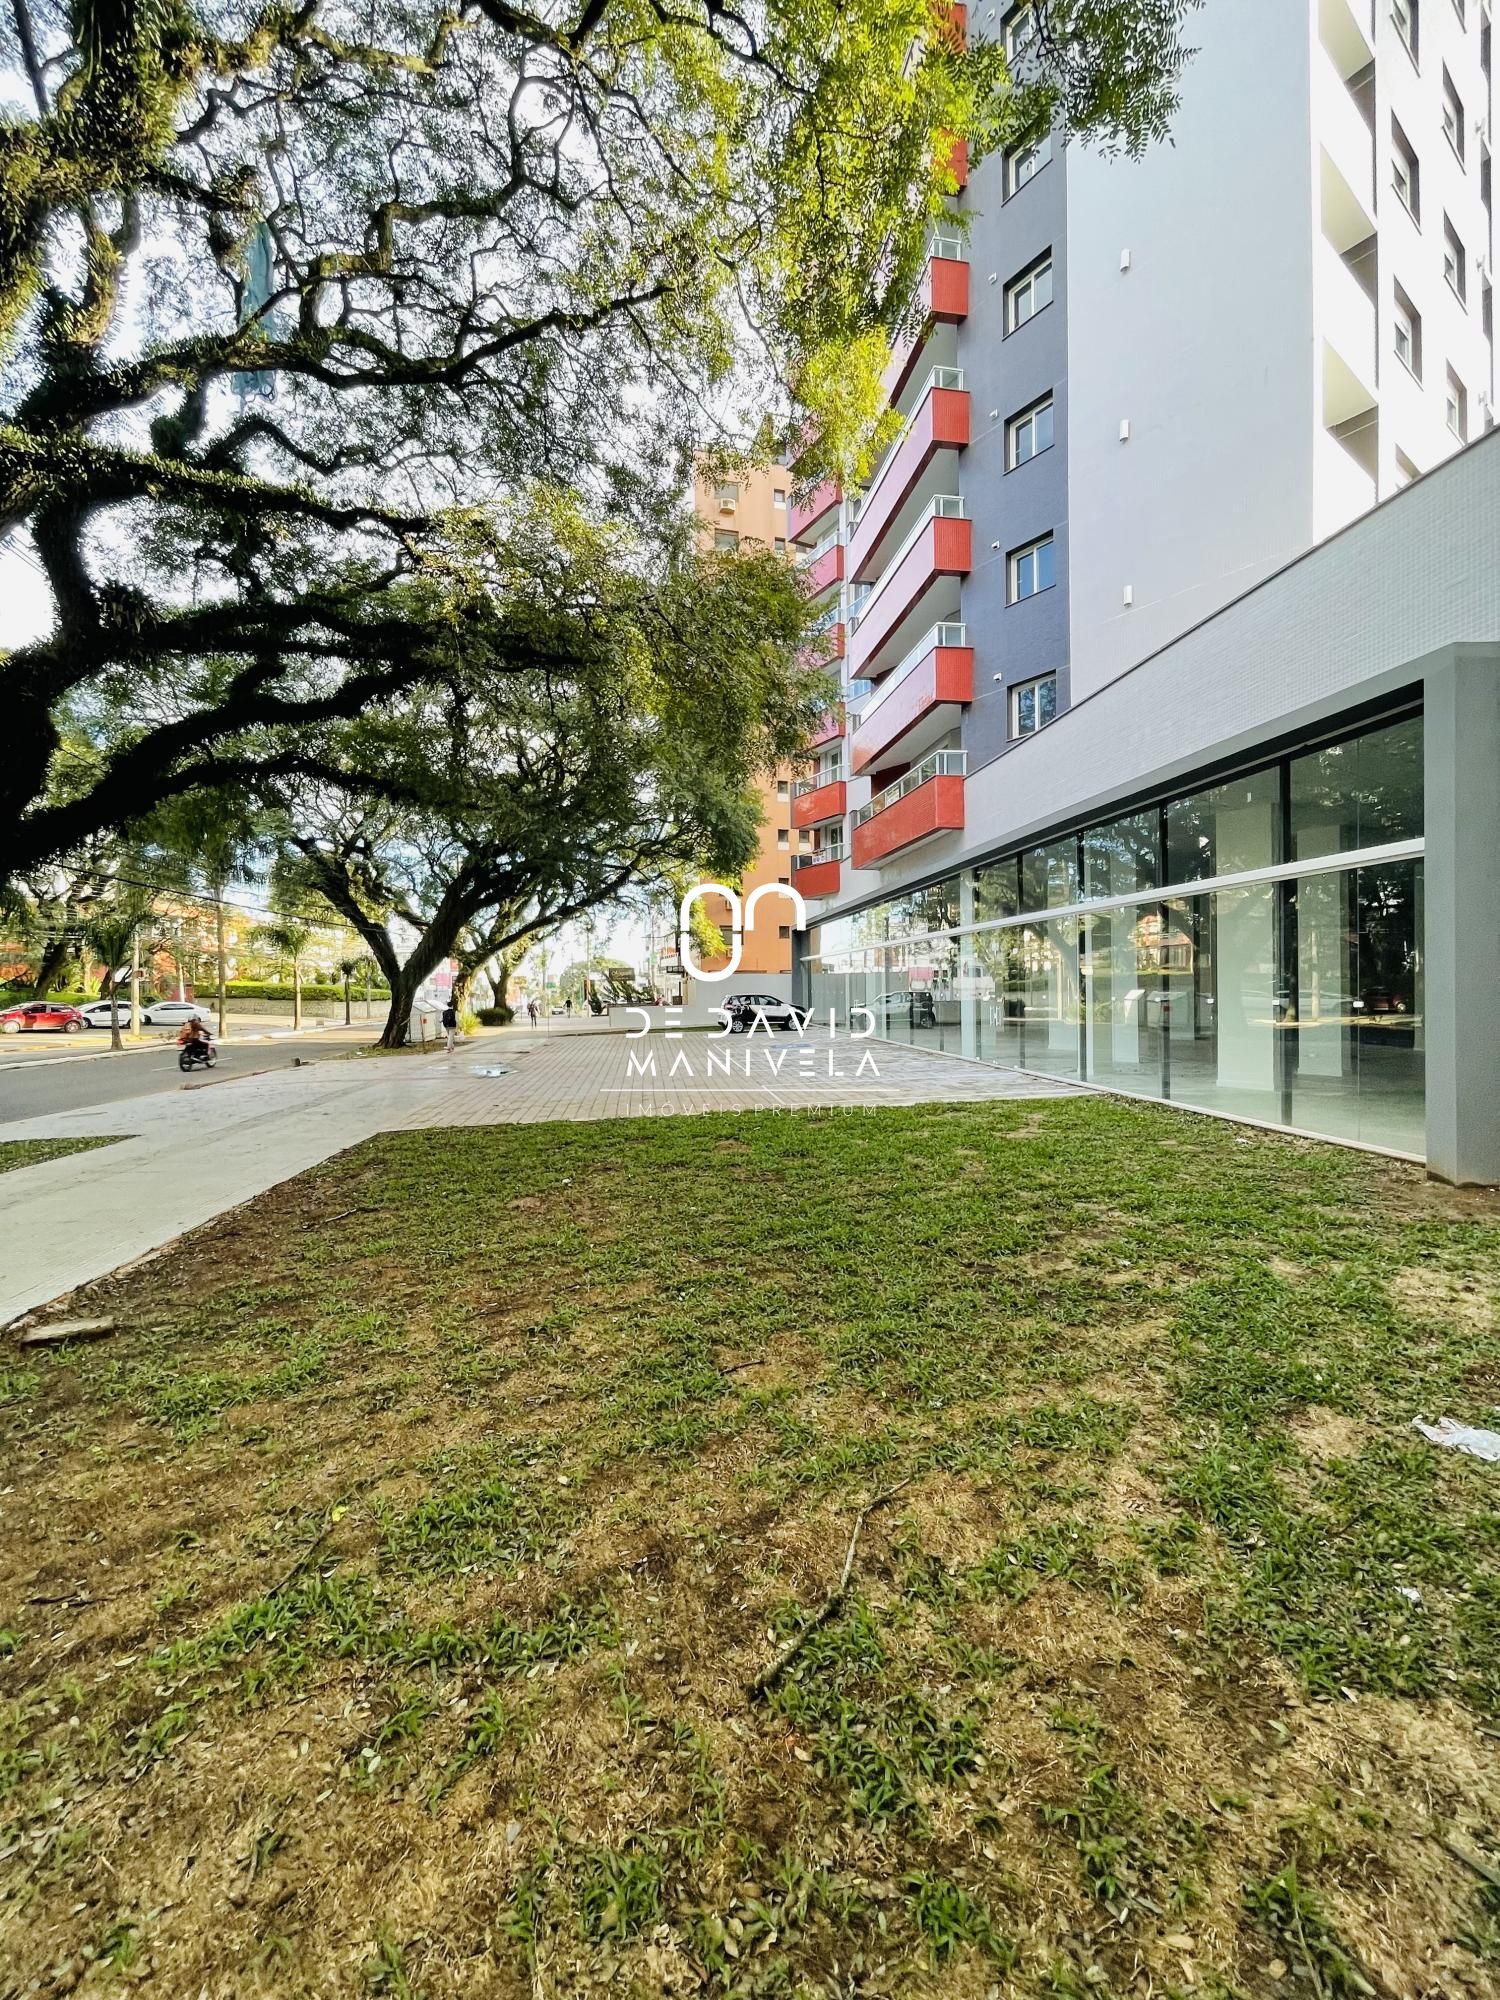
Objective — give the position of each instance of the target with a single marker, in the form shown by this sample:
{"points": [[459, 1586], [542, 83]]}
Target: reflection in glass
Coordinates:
{"points": [[1360, 793], [1227, 830], [1049, 875], [1124, 856]]}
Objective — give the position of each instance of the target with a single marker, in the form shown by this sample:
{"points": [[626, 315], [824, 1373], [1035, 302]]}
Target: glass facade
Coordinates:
{"points": [[1287, 989]]}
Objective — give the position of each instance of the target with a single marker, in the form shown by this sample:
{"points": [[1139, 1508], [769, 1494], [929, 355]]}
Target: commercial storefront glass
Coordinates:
{"points": [[1295, 1000]]}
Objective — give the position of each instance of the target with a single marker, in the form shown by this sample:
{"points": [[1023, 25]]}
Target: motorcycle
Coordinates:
{"points": [[197, 1055]]}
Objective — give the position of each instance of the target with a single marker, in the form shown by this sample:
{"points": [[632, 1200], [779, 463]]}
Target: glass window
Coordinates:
{"points": [[1123, 856], [1031, 569], [1033, 705], [1030, 433], [1026, 162], [778, 496], [1455, 263], [1453, 118], [1457, 407], [1049, 875], [1026, 295], [1404, 14], [729, 496], [1406, 175], [1360, 793], [780, 545], [1226, 830], [1408, 325], [997, 890], [726, 538], [1020, 28]]}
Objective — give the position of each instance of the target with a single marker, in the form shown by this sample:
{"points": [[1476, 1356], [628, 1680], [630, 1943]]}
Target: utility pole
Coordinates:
{"points": [[135, 981], [219, 954]]}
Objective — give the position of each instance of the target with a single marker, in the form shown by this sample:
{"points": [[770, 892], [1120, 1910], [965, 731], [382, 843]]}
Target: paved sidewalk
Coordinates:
{"points": [[196, 1152]]}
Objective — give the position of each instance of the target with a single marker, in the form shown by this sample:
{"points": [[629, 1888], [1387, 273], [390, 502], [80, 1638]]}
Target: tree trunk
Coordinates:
{"points": [[397, 1030], [135, 983], [54, 958], [109, 990], [347, 1012], [219, 956], [463, 981], [296, 994]]}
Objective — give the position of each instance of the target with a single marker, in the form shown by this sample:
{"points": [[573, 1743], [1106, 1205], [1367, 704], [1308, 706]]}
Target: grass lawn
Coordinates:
{"points": [[30, 1152], [403, 1601]]}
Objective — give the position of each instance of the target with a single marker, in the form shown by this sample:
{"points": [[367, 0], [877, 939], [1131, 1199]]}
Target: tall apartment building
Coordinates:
{"points": [[753, 507], [1171, 741], [1141, 387]]}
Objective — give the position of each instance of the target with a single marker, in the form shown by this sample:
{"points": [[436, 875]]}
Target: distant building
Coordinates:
{"points": [[753, 507]]}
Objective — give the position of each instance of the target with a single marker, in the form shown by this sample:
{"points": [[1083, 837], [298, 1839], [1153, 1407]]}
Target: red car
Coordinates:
{"points": [[41, 1014]]}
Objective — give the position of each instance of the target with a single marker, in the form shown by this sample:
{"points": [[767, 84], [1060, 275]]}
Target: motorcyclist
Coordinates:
{"points": [[194, 1034]]}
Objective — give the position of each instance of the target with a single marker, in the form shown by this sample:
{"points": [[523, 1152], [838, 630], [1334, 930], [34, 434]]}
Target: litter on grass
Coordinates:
{"points": [[1461, 1437]]}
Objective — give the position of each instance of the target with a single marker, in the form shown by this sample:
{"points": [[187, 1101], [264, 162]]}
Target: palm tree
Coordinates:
{"points": [[290, 940]]}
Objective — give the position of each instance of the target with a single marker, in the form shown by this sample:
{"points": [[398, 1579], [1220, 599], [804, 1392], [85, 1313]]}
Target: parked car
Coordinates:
{"points": [[742, 1008], [166, 1013], [916, 1003], [38, 1014], [97, 1013]]}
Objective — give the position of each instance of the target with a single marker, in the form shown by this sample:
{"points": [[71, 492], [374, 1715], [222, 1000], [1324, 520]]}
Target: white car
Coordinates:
{"points": [[164, 1013], [97, 1013]]}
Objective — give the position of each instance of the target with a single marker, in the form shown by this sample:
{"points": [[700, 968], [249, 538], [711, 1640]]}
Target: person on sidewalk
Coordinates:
{"points": [[568, 1006], [450, 1025], [531, 1011]]}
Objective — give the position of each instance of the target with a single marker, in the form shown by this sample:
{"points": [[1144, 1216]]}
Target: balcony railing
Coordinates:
{"points": [[817, 857], [936, 764], [937, 378], [942, 506], [831, 774], [937, 635], [807, 557]]}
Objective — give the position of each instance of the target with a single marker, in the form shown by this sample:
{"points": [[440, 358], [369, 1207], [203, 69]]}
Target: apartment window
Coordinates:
{"points": [[1029, 433], [1406, 470], [783, 836], [1025, 163], [1455, 264], [726, 538], [1460, 7], [783, 930], [1408, 333], [1458, 408], [1453, 118], [778, 496], [1404, 14], [1033, 705], [1026, 295], [780, 545], [729, 497], [1030, 569], [1487, 310], [1020, 30], [783, 788], [1406, 175]]}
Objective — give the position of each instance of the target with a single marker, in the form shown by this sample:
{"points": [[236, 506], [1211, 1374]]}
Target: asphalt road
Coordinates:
{"points": [[33, 1088]]}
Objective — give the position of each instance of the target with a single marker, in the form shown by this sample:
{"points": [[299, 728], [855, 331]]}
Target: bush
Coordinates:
{"points": [[496, 1017], [262, 989]]}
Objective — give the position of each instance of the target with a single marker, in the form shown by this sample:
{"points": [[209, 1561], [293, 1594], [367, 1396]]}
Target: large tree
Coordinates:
{"points": [[529, 800], [294, 290]]}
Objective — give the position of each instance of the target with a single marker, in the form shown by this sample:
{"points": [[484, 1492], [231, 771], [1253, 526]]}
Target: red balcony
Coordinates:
{"points": [[928, 800], [942, 547], [943, 295], [951, 22], [816, 876], [955, 156], [806, 515], [921, 706], [827, 570], [940, 422], [821, 802], [829, 729]]}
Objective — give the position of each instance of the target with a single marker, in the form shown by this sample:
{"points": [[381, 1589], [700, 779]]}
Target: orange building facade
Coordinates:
{"points": [[753, 507]]}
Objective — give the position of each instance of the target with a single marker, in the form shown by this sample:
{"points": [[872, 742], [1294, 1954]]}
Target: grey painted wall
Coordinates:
{"points": [[1005, 373]]}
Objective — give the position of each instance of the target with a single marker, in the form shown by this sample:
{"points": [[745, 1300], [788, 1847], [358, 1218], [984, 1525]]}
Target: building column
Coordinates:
{"points": [[1461, 941]]}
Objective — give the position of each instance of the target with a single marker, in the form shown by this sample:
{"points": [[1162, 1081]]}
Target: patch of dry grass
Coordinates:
{"points": [[383, 1605]]}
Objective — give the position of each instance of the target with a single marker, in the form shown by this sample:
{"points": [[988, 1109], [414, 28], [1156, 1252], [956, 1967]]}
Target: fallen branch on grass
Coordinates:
{"points": [[767, 1678], [1486, 1870]]}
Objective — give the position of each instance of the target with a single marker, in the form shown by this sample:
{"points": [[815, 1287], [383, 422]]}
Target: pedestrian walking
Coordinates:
{"points": [[531, 1010], [568, 1006], [450, 1025]]}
